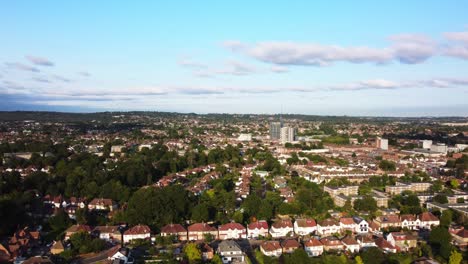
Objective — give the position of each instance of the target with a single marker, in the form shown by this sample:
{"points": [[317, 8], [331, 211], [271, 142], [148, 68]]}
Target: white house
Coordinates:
{"points": [[257, 229], [427, 220], [121, 254], [351, 244], [281, 228], [137, 232], [347, 223], [410, 221], [304, 227], [328, 227], [271, 248], [361, 225], [232, 231], [313, 247]]}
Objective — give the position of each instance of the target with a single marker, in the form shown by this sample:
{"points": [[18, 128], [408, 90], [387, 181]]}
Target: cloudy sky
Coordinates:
{"points": [[400, 58]]}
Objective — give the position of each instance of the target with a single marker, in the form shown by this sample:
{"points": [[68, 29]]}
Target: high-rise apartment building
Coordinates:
{"points": [[275, 130], [382, 143], [288, 134]]}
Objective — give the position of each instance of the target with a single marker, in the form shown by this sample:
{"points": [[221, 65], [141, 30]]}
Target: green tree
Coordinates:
{"points": [[440, 198], [358, 260], [387, 165], [439, 239], [455, 257], [446, 218], [192, 253]]}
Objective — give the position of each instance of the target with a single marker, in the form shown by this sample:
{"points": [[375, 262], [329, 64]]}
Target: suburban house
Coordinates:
{"points": [[313, 247], [305, 226], [385, 246], [347, 224], [386, 221], [107, 233], [289, 245], [137, 232], [351, 244], [427, 220], [402, 241], [361, 225], [75, 229], [281, 228], [331, 243], [198, 231], [102, 204], [176, 230], [257, 229], [57, 247], [460, 238], [409, 221], [207, 252], [271, 248], [328, 227], [120, 254], [232, 231], [230, 251], [365, 241], [23, 241]]}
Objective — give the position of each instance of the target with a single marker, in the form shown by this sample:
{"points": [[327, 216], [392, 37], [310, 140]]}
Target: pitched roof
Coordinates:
{"points": [[138, 229], [200, 227], [348, 240], [383, 244], [290, 243], [462, 233], [282, 224], [329, 222], [173, 228], [313, 242], [262, 224], [307, 222], [231, 226], [428, 217], [78, 228], [106, 229], [347, 221], [270, 245], [58, 245], [408, 217]]}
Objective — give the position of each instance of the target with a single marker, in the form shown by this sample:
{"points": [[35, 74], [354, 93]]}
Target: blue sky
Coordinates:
{"points": [[400, 58]]}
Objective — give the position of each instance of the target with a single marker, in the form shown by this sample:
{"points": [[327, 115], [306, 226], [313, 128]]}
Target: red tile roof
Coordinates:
{"points": [[290, 243], [270, 245], [138, 229], [306, 222], [262, 224], [313, 243], [282, 224], [201, 227], [231, 226], [173, 228]]}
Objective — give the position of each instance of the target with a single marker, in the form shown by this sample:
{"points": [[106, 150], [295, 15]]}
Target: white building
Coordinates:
{"points": [[382, 143], [281, 228], [304, 227], [245, 137], [257, 229], [426, 144], [440, 148], [287, 134], [313, 247]]}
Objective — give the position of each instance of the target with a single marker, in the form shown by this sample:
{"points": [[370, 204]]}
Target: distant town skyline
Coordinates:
{"points": [[394, 58]]}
